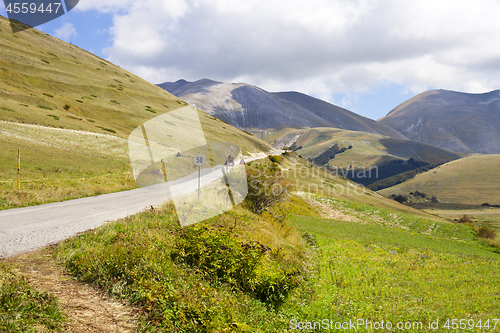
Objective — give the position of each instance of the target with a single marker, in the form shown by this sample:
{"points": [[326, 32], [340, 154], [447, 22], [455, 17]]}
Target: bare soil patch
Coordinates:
{"points": [[87, 309]]}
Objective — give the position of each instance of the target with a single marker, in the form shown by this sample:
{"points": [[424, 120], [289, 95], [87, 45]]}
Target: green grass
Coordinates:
{"points": [[369, 223], [47, 174], [383, 265], [232, 273], [382, 282], [55, 94], [306, 177], [368, 148], [471, 180], [24, 309], [399, 273]]}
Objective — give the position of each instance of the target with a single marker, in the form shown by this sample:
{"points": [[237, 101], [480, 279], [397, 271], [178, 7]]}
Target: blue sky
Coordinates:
{"points": [[365, 55]]}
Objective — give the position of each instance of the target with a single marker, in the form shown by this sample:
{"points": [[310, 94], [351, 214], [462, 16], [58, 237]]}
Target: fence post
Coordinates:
{"points": [[18, 170]]}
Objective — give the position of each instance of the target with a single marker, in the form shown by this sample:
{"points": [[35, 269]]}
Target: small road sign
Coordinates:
{"points": [[199, 159]]}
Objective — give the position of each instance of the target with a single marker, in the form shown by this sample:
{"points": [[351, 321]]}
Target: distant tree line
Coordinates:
{"points": [[401, 198], [293, 147], [329, 154], [488, 205], [400, 177]]}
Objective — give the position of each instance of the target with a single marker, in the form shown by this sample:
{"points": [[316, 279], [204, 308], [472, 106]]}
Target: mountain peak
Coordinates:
{"points": [[254, 109], [458, 121]]}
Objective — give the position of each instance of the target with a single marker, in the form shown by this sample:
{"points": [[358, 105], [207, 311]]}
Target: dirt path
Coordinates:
{"points": [[87, 309]]}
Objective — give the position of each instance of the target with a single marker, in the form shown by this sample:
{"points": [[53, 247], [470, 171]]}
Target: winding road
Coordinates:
{"points": [[29, 228]]}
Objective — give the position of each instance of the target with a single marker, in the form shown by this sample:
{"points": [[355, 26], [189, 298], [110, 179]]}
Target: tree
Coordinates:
{"points": [[266, 186], [400, 198]]}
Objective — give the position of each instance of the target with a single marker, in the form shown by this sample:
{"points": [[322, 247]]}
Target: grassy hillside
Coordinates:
{"points": [[70, 112], [368, 263], [471, 180], [309, 257], [407, 272], [368, 149], [306, 177]]}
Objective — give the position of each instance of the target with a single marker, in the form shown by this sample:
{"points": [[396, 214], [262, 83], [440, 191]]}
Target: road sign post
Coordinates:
{"points": [[18, 170], [178, 155], [199, 160]]}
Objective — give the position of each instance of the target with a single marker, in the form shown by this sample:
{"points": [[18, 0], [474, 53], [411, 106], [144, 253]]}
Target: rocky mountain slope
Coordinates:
{"points": [[253, 109], [461, 122]]}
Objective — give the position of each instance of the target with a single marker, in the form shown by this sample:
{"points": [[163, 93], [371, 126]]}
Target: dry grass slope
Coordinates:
{"points": [[471, 180], [58, 87]]}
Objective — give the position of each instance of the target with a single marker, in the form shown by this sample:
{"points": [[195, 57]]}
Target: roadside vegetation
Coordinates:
{"points": [[231, 273], [300, 258], [60, 164], [248, 272], [24, 309]]}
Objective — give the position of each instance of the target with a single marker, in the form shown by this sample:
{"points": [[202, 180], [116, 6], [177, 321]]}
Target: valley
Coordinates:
{"points": [[306, 243]]}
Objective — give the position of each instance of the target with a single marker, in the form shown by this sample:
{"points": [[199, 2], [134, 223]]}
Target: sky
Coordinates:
{"points": [[367, 56]]}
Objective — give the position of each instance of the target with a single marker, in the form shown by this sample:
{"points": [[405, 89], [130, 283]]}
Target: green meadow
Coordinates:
{"points": [[330, 252], [471, 180], [289, 268]]}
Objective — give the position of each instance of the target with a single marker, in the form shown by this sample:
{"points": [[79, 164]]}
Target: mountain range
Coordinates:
{"points": [[461, 122], [455, 121], [253, 109]]}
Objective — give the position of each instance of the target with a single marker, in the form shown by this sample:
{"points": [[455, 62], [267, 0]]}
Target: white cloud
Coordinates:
{"points": [[66, 31], [317, 46]]}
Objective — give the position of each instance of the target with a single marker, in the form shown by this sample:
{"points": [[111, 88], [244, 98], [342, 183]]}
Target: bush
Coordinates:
{"points": [[434, 199], [266, 186], [66, 107], [486, 232], [400, 198], [420, 194], [276, 159], [465, 219], [221, 257]]}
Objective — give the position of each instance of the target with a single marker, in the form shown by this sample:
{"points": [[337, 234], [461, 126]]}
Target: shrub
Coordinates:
{"points": [[66, 107], [107, 129], [486, 232], [400, 198], [434, 199], [266, 186], [221, 257], [276, 159], [465, 219], [420, 194]]}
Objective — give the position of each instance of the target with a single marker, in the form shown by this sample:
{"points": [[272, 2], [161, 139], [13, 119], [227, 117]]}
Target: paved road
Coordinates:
{"points": [[26, 229]]}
